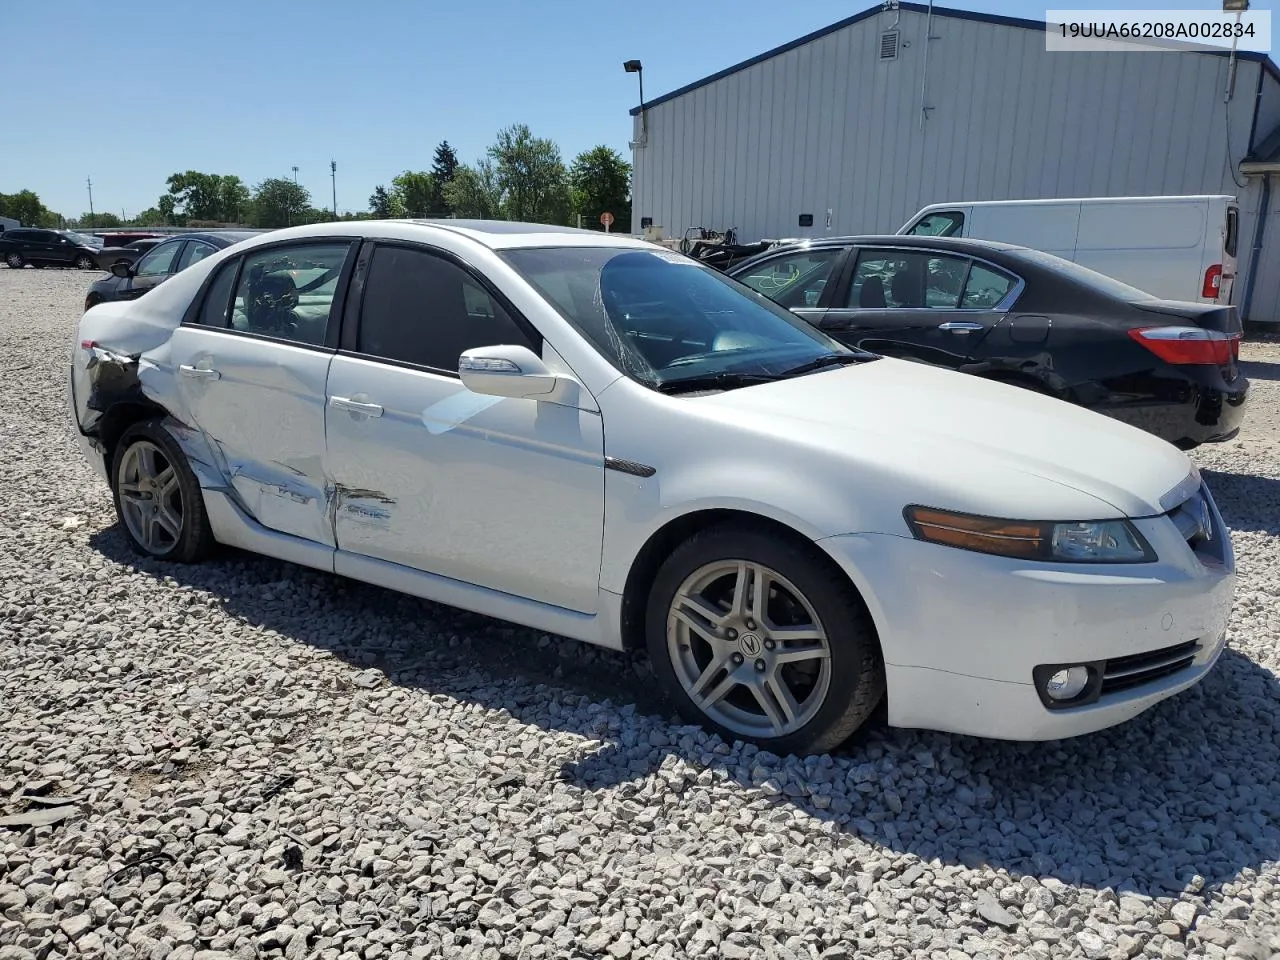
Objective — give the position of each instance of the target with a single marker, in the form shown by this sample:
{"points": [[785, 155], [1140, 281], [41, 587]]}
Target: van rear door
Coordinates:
{"points": [[1229, 244]]}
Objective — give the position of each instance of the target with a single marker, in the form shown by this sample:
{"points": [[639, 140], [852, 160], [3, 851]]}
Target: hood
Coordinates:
{"points": [[989, 446]]}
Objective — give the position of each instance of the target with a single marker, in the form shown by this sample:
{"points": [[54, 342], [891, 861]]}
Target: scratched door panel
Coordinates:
{"points": [[503, 493], [263, 418]]}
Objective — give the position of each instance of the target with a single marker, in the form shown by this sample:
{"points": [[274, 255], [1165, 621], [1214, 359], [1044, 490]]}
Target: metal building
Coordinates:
{"points": [[864, 122]]}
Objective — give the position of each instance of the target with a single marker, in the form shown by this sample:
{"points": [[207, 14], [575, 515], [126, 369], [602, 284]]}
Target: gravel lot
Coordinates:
{"points": [[269, 761]]}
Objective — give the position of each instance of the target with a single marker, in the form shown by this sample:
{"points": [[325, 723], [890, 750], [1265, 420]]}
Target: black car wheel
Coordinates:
{"points": [[85, 262], [15, 261]]}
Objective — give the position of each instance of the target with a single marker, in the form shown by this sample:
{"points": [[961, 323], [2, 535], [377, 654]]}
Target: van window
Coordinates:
{"points": [[1233, 218], [949, 223]]}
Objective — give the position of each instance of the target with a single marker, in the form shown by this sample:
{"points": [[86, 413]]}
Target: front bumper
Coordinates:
{"points": [[963, 632]]}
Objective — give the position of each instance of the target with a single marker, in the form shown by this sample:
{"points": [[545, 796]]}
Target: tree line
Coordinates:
{"points": [[519, 177]]}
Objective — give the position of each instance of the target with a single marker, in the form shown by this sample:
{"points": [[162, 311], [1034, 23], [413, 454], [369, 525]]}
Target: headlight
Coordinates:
{"points": [[1088, 541]]}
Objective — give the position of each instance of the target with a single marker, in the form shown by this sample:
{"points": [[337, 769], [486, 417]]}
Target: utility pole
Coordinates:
{"points": [[333, 175], [89, 181], [295, 176]]}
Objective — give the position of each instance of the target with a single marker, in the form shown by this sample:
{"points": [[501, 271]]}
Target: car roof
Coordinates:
{"points": [[494, 234], [958, 244]]}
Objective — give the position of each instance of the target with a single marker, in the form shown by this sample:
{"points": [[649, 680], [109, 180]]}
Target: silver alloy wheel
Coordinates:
{"points": [[150, 498], [749, 649], [84, 263], [14, 260]]}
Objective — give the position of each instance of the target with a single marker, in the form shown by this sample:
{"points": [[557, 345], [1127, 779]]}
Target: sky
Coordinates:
{"points": [[129, 93]]}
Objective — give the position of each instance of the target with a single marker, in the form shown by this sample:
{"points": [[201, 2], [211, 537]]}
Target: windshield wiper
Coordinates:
{"points": [[714, 381], [827, 360]]}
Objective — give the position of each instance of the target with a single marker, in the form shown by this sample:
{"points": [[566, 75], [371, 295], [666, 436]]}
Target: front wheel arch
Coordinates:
{"points": [[644, 568]]}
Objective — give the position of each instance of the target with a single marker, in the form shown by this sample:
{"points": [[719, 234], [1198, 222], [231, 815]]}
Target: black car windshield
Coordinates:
{"points": [[84, 239], [664, 319]]}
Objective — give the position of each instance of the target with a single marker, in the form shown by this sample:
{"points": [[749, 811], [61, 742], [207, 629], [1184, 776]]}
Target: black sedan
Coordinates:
{"points": [[1023, 317], [128, 281]]}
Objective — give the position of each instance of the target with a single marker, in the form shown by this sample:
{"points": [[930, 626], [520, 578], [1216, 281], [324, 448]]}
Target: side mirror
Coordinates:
{"points": [[506, 371], [122, 269]]}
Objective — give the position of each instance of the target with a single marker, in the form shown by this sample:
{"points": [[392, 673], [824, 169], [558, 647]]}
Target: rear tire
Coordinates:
{"points": [[15, 261], [796, 672], [157, 497], [85, 262]]}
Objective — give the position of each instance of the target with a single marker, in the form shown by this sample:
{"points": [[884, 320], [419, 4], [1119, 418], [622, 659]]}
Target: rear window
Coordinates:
{"points": [[1097, 282], [1233, 219]]}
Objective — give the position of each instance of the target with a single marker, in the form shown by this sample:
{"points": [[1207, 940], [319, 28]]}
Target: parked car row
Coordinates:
{"points": [[49, 248], [602, 439]]}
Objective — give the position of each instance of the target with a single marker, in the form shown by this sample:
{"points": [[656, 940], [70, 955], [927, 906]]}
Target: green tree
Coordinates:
{"points": [[384, 204], [208, 196], [443, 168], [531, 176], [280, 203], [474, 193], [99, 221], [601, 181], [151, 217], [415, 191], [25, 207]]}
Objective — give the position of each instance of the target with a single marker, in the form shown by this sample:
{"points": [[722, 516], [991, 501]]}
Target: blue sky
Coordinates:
{"points": [[129, 93]]}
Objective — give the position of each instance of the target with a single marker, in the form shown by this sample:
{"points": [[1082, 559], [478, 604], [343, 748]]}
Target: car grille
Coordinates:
{"points": [[1124, 673]]}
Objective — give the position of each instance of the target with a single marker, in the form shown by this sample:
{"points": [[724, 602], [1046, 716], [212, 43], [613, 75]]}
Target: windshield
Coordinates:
{"points": [[662, 318], [1098, 282], [83, 239]]}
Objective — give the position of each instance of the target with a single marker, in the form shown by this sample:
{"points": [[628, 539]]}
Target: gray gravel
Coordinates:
{"points": [[260, 760]]}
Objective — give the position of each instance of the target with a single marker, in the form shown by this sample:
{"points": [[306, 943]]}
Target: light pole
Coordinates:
{"points": [[333, 175], [89, 181], [295, 176], [636, 67]]}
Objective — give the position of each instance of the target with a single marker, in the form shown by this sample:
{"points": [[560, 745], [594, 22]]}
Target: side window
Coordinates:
{"points": [[985, 288], [903, 279], [422, 309], [213, 312], [288, 292], [794, 279], [949, 223], [159, 260], [1233, 226], [195, 252]]}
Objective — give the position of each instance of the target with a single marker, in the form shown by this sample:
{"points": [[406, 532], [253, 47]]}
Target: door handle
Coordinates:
{"points": [[356, 406], [960, 326], [199, 373]]}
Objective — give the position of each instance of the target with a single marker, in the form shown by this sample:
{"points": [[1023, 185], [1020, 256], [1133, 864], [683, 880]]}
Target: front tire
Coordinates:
{"points": [[85, 262], [758, 639], [15, 261], [157, 497]]}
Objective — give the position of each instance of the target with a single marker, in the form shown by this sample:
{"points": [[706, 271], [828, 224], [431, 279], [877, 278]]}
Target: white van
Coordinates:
{"points": [[1178, 248]]}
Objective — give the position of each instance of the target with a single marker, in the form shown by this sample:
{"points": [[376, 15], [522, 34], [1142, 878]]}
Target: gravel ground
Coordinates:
{"points": [[262, 760]]}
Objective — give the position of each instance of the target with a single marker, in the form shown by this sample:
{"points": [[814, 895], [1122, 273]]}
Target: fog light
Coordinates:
{"points": [[1067, 684]]}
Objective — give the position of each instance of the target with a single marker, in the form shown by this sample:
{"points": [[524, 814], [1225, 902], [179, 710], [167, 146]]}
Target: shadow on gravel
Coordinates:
{"points": [[1192, 787], [1260, 369], [1246, 500]]}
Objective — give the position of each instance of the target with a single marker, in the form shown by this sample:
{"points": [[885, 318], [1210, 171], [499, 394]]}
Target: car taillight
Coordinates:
{"points": [[88, 344], [1212, 282], [1185, 345]]}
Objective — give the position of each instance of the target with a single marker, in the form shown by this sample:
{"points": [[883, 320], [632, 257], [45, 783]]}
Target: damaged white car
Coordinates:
{"points": [[598, 438]]}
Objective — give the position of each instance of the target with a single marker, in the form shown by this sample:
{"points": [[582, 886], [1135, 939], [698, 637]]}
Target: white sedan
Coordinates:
{"points": [[597, 438]]}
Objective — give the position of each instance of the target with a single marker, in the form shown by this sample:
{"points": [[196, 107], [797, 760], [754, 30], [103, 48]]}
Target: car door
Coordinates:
{"points": [[802, 280], [152, 269], [250, 366], [503, 493], [51, 248], [918, 304]]}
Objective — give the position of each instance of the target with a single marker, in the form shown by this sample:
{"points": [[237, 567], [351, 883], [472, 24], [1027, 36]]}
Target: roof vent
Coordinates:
{"points": [[889, 45]]}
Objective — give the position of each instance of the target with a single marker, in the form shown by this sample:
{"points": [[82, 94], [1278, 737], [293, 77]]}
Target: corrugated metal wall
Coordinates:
{"points": [[827, 125]]}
